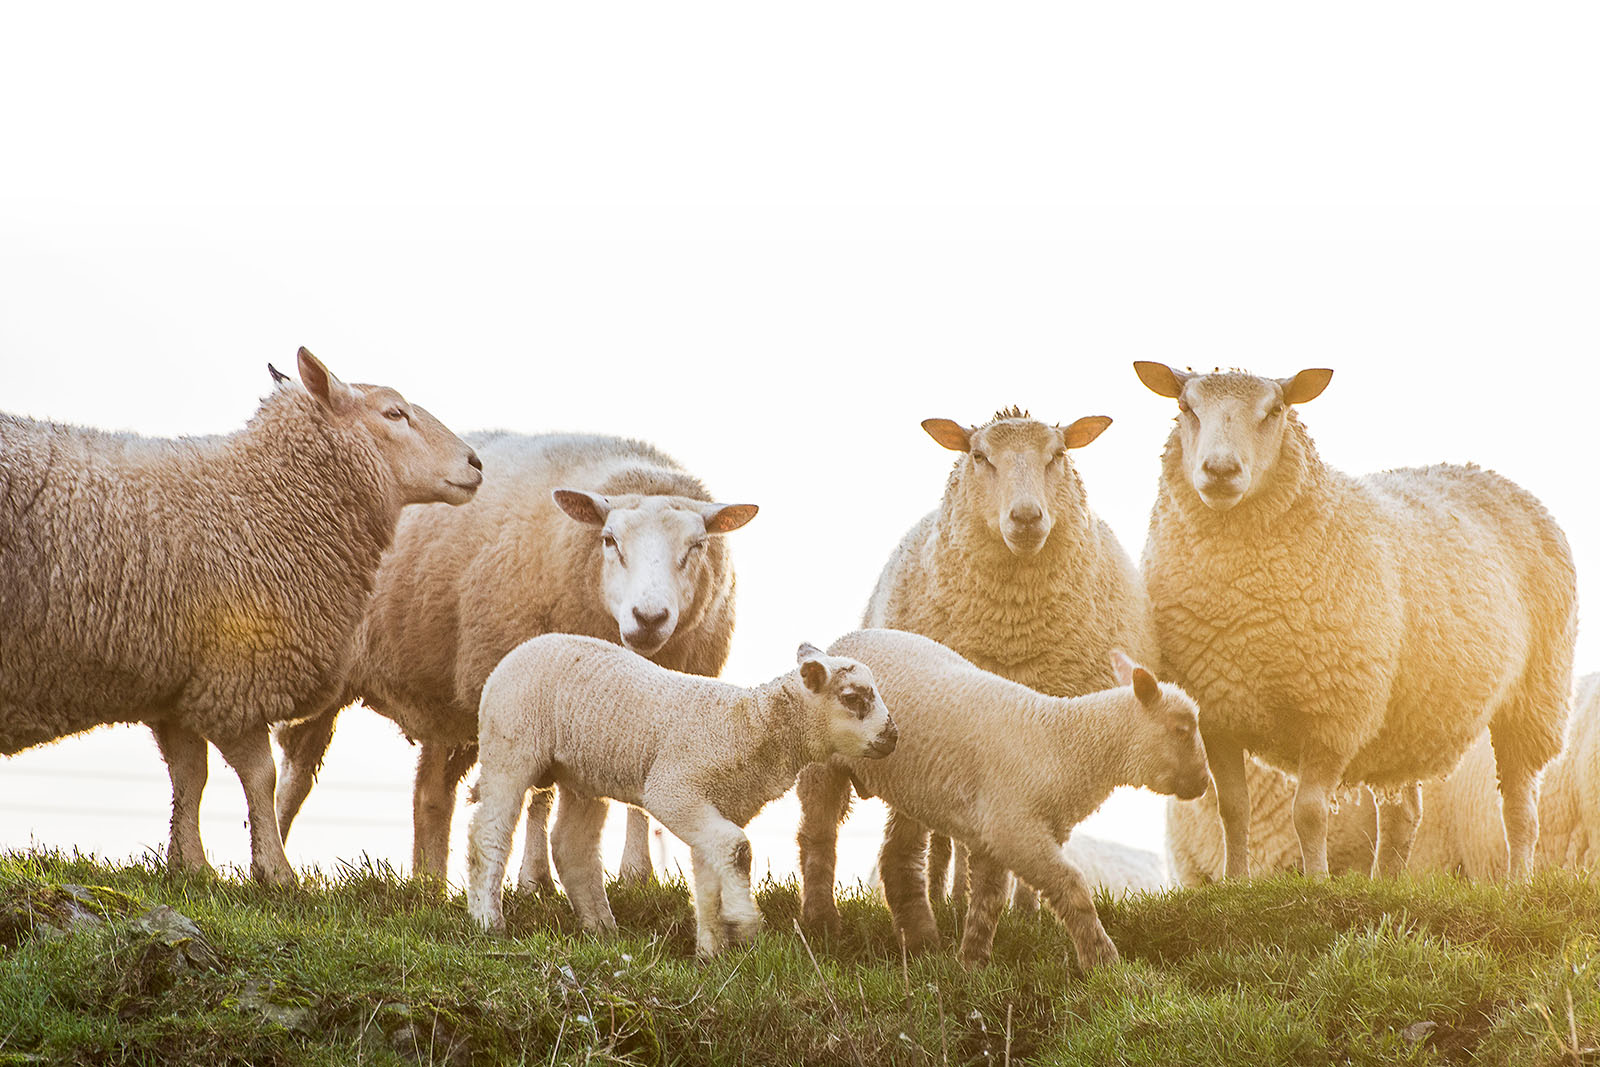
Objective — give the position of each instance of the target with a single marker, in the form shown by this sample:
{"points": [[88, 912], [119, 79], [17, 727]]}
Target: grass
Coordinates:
{"points": [[365, 967]]}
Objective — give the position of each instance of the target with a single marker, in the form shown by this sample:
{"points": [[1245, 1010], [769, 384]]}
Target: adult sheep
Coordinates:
{"points": [[1351, 631], [1013, 570], [207, 586], [632, 555]]}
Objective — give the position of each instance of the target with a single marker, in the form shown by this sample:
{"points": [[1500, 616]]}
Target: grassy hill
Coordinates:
{"points": [[365, 967]]}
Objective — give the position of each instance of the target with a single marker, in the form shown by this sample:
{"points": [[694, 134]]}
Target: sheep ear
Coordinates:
{"points": [[321, 382], [1122, 666], [588, 508], [1307, 385], [813, 672], [1161, 379], [278, 377], [1145, 687], [1085, 430], [725, 518], [948, 432]]}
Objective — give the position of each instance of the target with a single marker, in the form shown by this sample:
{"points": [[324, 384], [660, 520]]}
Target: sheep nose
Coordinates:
{"points": [[1026, 514], [473, 461], [653, 620], [1222, 468]]}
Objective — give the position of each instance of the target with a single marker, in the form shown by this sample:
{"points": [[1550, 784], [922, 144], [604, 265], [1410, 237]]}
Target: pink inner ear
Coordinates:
{"points": [[1145, 686]]}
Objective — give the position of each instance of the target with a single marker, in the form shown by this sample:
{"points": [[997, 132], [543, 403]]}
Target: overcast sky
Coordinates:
{"points": [[772, 241]]}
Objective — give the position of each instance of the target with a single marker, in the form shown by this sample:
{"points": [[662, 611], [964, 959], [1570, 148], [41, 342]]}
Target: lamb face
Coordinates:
{"points": [[844, 696], [653, 555], [1013, 469], [1230, 426], [1168, 751], [427, 463]]}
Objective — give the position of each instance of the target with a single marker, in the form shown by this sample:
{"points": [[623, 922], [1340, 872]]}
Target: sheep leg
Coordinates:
{"points": [[535, 872], [902, 864], [1397, 828], [636, 866], [940, 852], [824, 793], [1319, 773], [186, 757], [494, 821], [959, 865], [1067, 892], [1519, 787], [1225, 754], [725, 908], [986, 879], [575, 844], [250, 755], [1024, 898], [304, 745], [433, 805]]}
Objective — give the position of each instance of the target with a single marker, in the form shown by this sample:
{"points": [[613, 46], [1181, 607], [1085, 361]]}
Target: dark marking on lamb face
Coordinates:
{"points": [[741, 858]]}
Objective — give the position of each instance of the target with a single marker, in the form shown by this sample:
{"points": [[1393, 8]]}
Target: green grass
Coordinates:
{"points": [[365, 967]]}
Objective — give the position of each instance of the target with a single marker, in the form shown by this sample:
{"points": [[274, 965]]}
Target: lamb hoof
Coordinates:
{"points": [[741, 932], [974, 961], [283, 876], [1097, 954], [921, 940], [544, 886], [823, 921]]}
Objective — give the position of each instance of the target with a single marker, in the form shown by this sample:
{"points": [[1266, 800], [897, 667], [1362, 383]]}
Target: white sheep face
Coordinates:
{"points": [[1166, 731], [845, 695], [427, 463], [1014, 467], [1231, 425], [653, 551]]}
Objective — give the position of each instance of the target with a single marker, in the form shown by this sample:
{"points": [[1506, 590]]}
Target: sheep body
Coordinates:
{"points": [[1048, 619], [461, 588], [1352, 630], [1119, 869], [1004, 769], [207, 586], [701, 755]]}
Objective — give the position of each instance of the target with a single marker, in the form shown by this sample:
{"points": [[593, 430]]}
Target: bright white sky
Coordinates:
{"points": [[774, 240]]}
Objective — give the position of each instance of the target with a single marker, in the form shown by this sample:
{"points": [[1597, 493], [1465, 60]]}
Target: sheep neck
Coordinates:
{"points": [[1088, 731], [779, 741]]}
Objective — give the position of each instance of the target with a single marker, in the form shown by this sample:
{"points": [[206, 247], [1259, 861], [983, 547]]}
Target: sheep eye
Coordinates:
{"points": [[689, 553], [608, 540], [980, 457], [1276, 411], [396, 414], [857, 702], [1060, 455]]}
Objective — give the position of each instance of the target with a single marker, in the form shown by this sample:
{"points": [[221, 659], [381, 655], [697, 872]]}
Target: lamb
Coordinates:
{"points": [[206, 586], [1013, 570], [700, 755], [1351, 630], [1004, 769], [634, 554]]}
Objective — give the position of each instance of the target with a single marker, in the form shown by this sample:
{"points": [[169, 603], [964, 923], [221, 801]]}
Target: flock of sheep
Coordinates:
{"points": [[1401, 641]]}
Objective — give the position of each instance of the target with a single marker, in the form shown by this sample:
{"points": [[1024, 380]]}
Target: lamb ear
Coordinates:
{"points": [[321, 382], [1161, 379], [725, 518], [948, 432], [588, 508], [1085, 430], [813, 672], [1145, 687], [278, 377], [1307, 385], [1122, 666]]}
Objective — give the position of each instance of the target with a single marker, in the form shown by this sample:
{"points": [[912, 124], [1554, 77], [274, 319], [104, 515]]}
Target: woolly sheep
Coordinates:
{"points": [[632, 555], [1351, 630], [207, 586], [1013, 570], [700, 755], [1119, 869], [1005, 770]]}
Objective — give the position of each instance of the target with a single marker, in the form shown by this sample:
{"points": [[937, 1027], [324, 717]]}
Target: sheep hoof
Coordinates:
{"points": [[741, 931], [1097, 954], [822, 920], [974, 961], [543, 886], [924, 940]]}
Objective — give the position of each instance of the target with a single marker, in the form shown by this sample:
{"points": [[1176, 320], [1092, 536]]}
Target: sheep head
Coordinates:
{"points": [[1013, 467], [653, 553], [1230, 425], [1169, 755], [844, 695]]}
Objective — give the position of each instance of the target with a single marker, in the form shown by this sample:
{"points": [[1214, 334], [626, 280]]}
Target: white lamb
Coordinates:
{"points": [[1014, 571], [700, 755], [207, 586], [1005, 770], [1352, 631], [571, 533]]}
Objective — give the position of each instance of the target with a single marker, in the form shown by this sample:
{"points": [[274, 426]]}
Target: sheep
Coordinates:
{"points": [[1014, 571], [700, 755], [1005, 770], [205, 586], [1120, 869], [635, 554], [1351, 630]]}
